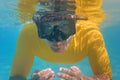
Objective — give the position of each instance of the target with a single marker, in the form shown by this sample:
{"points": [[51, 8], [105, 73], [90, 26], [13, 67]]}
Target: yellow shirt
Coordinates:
{"points": [[88, 41]]}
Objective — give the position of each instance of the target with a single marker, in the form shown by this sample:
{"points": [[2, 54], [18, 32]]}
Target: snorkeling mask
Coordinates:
{"points": [[55, 26]]}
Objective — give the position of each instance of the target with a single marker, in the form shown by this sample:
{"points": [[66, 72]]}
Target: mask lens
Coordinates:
{"points": [[58, 30], [67, 27], [47, 28]]}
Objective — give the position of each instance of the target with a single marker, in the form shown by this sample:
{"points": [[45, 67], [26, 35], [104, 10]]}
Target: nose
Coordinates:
{"points": [[59, 43]]}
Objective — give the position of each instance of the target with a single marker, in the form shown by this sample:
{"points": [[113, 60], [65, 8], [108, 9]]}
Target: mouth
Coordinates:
{"points": [[58, 48]]}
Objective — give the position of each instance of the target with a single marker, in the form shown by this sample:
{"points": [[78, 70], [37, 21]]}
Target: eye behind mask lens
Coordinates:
{"points": [[67, 27], [59, 32]]}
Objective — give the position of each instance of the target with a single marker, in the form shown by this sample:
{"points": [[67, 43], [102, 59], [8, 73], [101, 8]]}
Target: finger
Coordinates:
{"points": [[45, 71], [64, 76], [52, 78], [44, 74], [50, 75], [75, 69], [66, 71]]}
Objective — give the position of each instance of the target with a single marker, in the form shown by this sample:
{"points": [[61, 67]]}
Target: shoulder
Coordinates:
{"points": [[87, 28], [89, 32], [29, 29], [29, 34]]}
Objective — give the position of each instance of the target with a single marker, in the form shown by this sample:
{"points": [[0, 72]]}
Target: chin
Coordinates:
{"points": [[59, 50]]}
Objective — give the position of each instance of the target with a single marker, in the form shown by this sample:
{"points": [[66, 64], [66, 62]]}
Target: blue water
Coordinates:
{"points": [[10, 28]]}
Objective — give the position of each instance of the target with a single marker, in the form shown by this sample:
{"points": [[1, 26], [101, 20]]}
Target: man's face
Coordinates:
{"points": [[60, 46]]}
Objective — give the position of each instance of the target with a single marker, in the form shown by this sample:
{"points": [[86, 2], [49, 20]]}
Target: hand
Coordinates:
{"points": [[46, 74], [70, 74]]}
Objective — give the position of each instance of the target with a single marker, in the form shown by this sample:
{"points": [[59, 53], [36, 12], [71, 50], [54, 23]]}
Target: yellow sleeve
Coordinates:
{"points": [[97, 54], [24, 55]]}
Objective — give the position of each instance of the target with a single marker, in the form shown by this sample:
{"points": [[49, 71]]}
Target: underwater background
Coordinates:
{"points": [[10, 27]]}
